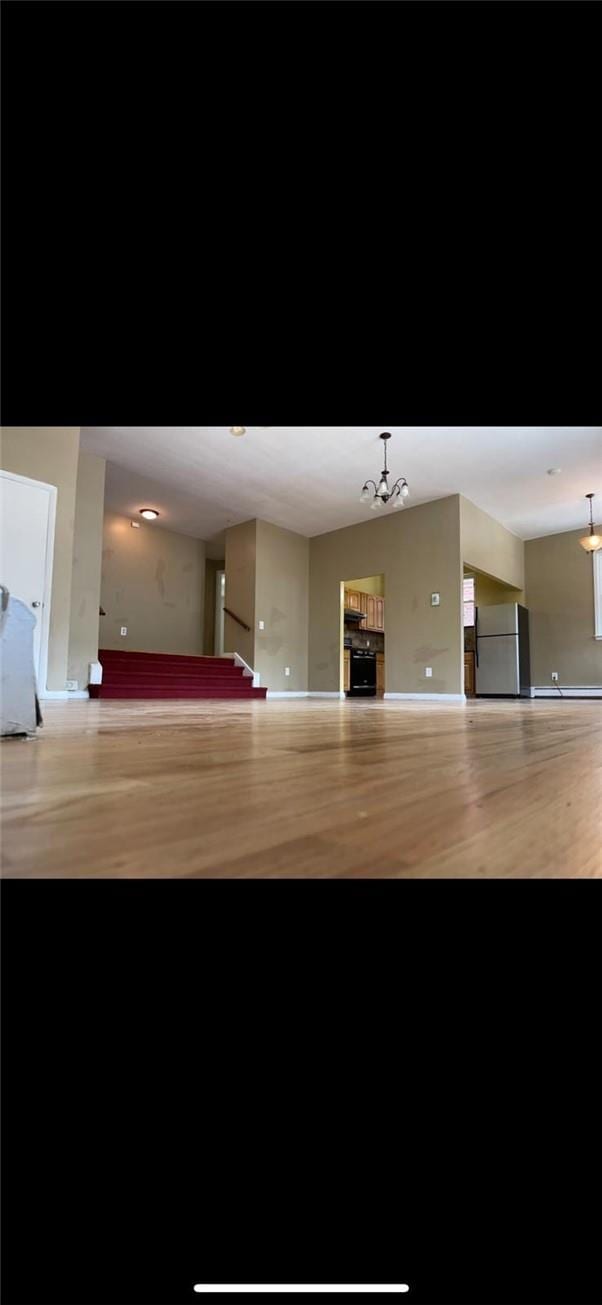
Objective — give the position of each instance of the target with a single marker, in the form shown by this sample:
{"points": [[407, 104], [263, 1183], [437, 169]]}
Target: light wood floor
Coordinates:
{"points": [[306, 788]]}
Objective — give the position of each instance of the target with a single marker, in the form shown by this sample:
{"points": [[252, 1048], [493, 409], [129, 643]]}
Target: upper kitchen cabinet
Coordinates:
{"points": [[371, 605]]}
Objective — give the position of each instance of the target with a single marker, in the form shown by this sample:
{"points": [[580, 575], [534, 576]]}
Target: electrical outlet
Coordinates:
{"points": [[428, 671], [287, 670], [435, 600], [72, 686], [262, 625], [554, 675], [124, 630]]}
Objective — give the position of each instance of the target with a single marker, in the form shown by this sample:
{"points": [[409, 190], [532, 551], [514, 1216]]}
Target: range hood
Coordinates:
{"points": [[350, 614]]}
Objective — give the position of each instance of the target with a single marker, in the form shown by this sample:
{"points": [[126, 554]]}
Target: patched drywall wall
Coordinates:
{"points": [[282, 603], [87, 565], [489, 547], [559, 584], [50, 454], [417, 551], [153, 583]]}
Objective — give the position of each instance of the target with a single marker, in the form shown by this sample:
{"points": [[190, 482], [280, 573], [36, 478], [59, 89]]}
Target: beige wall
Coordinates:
{"points": [[417, 550], [241, 558], [282, 602], [560, 599], [489, 592], [372, 584], [487, 546], [87, 562], [50, 454], [152, 582]]}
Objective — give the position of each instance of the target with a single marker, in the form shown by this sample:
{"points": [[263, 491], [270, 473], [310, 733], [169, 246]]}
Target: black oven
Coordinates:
{"points": [[362, 674]]}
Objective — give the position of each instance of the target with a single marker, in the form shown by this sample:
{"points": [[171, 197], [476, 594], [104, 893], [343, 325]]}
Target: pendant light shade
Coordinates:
{"points": [[592, 541]]}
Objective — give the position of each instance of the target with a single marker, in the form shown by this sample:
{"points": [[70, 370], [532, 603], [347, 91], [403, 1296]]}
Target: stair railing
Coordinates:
{"points": [[237, 619]]}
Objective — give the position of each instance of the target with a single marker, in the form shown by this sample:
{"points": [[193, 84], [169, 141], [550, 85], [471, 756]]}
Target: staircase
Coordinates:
{"points": [[161, 675]]}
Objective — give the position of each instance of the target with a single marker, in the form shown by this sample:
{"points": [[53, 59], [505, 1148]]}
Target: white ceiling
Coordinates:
{"points": [[308, 478]]}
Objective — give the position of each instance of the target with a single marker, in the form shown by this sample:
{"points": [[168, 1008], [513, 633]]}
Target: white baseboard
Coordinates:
{"points": [[291, 693], [428, 697], [568, 691], [315, 693], [62, 695]]}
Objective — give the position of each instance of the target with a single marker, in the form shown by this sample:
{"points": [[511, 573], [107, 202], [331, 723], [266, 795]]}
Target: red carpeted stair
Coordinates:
{"points": [[161, 675]]}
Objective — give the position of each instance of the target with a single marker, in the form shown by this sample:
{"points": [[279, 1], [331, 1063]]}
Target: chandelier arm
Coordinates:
{"points": [[401, 480], [370, 482]]}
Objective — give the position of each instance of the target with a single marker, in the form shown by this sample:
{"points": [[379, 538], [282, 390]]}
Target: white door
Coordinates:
{"points": [[27, 513]]}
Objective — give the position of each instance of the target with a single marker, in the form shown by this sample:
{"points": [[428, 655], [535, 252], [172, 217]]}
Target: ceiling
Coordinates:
{"points": [[308, 478]]}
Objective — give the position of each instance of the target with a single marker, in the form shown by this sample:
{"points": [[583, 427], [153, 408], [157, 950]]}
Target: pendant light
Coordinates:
{"points": [[592, 542], [382, 494]]}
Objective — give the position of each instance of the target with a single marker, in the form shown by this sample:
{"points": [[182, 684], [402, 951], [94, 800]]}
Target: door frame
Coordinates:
{"points": [[218, 638], [42, 669]]}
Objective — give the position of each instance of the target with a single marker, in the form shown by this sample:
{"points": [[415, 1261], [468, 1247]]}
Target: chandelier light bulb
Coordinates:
{"points": [[376, 503], [404, 491], [365, 494]]}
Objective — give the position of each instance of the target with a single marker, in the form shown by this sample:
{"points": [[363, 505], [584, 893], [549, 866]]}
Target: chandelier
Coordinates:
{"points": [[592, 542], [382, 494]]}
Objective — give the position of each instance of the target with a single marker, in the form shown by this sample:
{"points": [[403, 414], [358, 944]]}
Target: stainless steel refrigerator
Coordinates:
{"points": [[502, 660]]}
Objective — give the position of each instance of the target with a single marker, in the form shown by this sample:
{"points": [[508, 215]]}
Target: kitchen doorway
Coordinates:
{"points": [[363, 667]]}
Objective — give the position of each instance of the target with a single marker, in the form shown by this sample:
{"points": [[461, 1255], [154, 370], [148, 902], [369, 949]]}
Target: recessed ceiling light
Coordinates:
{"points": [[238, 430], [554, 471], [150, 514]]}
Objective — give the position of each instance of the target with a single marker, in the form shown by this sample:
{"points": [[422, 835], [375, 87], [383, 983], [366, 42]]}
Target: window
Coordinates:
{"points": [[469, 600], [598, 594]]}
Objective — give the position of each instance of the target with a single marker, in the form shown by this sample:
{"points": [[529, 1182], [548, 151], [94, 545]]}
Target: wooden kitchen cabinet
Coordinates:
{"points": [[346, 670], [372, 606], [380, 672]]}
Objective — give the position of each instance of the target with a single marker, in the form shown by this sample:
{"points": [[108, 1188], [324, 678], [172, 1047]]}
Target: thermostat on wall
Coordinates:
{"points": [[435, 600]]}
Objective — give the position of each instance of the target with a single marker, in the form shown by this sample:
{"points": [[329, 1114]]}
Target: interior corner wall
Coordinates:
{"points": [[490, 592], [282, 603], [50, 454], [87, 565], [488, 546], [418, 552], [560, 598], [153, 583]]}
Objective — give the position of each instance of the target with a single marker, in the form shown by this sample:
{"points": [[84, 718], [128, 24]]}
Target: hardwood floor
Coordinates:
{"points": [[306, 787]]}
